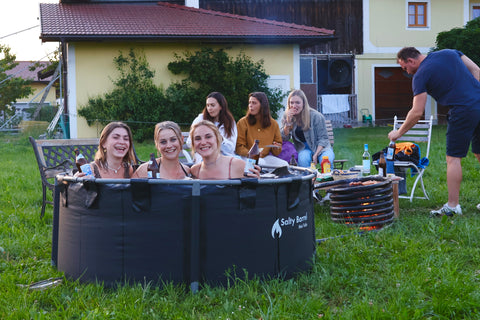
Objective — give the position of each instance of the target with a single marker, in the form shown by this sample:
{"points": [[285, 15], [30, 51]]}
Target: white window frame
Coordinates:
{"points": [[428, 16], [471, 9]]}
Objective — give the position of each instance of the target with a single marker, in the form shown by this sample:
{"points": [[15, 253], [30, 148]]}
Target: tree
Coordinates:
{"points": [[208, 70], [465, 39], [135, 99], [11, 87]]}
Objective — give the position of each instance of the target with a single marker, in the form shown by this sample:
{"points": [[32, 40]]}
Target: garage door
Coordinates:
{"points": [[393, 94]]}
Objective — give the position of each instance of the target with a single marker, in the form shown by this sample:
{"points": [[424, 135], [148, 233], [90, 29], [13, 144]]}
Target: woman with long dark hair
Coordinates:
{"points": [[258, 124], [216, 111]]}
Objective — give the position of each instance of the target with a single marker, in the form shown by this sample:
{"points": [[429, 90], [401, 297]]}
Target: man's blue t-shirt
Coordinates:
{"points": [[444, 76]]}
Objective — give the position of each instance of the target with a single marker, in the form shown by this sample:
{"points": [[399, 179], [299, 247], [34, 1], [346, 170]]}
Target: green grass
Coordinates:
{"points": [[417, 268]]}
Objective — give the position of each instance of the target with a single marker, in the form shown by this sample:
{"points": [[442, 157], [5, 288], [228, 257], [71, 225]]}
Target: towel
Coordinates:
{"points": [[335, 103]]}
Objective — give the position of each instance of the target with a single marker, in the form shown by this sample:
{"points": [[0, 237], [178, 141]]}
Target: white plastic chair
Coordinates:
{"points": [[421, 132]]}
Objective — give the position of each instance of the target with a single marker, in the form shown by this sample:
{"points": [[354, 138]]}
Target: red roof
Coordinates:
{"points": [[22, 70], [165, 21]]}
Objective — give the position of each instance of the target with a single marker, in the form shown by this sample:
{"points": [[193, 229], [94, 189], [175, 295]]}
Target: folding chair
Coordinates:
{"points": [[421, 132]]}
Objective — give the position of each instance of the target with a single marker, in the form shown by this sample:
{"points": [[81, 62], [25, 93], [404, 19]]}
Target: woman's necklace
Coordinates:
{"points": [[114, 170]]}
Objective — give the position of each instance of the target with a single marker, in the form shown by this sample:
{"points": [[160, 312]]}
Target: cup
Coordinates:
{"points": [[87, 169]]}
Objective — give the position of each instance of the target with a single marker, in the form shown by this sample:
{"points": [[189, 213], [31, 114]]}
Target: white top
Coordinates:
{"points": [[228, 144]]}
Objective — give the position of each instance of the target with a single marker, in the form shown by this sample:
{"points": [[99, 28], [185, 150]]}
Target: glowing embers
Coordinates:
{"points": [[366, 203]]}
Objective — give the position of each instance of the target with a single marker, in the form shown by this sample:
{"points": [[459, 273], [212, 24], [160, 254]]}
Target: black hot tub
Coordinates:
{"points": [[186, 231]]}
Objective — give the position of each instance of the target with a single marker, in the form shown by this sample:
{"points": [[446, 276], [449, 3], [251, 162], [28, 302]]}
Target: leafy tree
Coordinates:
{"points": [[135, 99], [210, 70], [11, 87], [465, 39]]}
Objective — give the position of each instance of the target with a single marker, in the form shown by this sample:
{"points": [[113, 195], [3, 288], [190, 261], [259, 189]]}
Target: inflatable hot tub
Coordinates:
{"points": [[185, 231]]}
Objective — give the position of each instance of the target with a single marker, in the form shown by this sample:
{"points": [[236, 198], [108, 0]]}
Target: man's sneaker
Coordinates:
{"points": [[447, 211], [478, 206]]}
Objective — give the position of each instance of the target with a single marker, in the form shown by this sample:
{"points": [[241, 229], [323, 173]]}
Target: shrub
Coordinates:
{"points": [[135, 99], [210, 70], [465, 39]]}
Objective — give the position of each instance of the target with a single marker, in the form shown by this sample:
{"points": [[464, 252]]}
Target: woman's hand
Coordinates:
{"points": [[79, 174], [254, 172]]}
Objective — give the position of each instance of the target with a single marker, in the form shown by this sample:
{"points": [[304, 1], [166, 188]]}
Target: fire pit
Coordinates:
{"points": [[365, 202]]}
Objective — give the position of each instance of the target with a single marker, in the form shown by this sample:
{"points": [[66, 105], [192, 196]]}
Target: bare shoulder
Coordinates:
{"points": [[141, 171], [186, 168], [194, 170], [238, 165], [238, 162]]}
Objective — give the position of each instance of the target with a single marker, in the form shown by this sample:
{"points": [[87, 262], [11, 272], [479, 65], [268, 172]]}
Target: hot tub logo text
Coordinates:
{"points": [[299, 221]]}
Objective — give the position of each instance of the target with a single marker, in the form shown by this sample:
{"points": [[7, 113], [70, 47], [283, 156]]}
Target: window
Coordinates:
{"points": [[306, 70], [475, 11], [417, 14]]}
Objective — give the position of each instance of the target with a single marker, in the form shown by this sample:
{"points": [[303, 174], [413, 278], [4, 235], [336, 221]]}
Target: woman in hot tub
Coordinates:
{"points": [[169, 142], [206, 141]]}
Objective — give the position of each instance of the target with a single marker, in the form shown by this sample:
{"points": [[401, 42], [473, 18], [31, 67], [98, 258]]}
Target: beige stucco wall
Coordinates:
{"points": [[388, 22], [386, 32], [94, 68], [37, 87]]}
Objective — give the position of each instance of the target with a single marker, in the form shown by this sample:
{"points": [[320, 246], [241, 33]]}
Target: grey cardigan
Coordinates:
{"points": [[315, 136]]}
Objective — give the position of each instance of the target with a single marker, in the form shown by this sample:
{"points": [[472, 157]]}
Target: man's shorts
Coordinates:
{"points": [[463, 128]]}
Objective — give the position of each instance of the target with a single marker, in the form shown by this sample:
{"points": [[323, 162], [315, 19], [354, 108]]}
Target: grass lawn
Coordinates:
{"points": [[417, 268]]}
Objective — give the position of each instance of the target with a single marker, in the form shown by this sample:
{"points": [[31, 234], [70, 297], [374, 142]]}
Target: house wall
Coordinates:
{"points": [[91, 70], [37, 87], [386, 32]]}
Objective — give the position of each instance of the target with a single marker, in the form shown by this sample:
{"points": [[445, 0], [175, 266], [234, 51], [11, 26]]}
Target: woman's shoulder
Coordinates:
{"points": [[195, 169], [198, 118], [316, 115], [242, 119]]}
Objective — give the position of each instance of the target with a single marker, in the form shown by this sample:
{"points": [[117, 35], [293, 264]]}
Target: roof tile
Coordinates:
{"points": [[162, 20]]}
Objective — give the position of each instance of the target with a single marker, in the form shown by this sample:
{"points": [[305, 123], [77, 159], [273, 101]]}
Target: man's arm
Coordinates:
{"points": [[412, 118], [471, 66]]}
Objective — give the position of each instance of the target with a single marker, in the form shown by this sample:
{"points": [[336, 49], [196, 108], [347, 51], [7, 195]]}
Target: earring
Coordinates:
{"points": [[104, 150]]}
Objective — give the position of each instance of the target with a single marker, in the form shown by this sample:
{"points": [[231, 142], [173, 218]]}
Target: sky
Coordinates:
{"points": [[18, 15]]}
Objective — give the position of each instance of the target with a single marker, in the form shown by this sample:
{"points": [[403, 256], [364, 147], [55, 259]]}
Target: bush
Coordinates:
{"points": [[465, 39], [135, 99], [208, 70], [138, 102]]}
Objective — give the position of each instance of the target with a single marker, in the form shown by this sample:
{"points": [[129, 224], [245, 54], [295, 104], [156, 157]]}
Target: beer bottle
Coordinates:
{"points": [[382, 165], [293, 161], [366, 160], [325, 165], [153, 171], [252, 157], [79, 159], [391, 151]]}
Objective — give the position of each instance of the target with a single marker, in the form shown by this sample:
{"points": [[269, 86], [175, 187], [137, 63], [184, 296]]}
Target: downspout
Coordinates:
{"points": [[64, 62]]}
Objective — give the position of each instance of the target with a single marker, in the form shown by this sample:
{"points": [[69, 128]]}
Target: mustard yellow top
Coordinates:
{"points": [[247, 134]]}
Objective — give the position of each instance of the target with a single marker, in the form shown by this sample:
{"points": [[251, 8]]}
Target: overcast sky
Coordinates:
{"points": [[18, 15]]}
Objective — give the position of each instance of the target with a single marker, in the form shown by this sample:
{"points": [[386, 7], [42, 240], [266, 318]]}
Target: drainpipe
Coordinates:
{"points": [[192, 3]]}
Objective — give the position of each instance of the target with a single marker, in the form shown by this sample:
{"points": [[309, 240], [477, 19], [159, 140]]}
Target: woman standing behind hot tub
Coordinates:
{"points": [[216, 111], [115, 156], [307, 128], [169, 142], [206, 139], [258, 124]]}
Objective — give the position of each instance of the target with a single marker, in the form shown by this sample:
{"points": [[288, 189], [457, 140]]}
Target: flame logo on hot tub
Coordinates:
{"points": [[276, 229]]}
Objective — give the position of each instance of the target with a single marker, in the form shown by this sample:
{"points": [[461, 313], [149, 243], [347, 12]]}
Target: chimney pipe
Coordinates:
{"points": [[192, 3]]}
